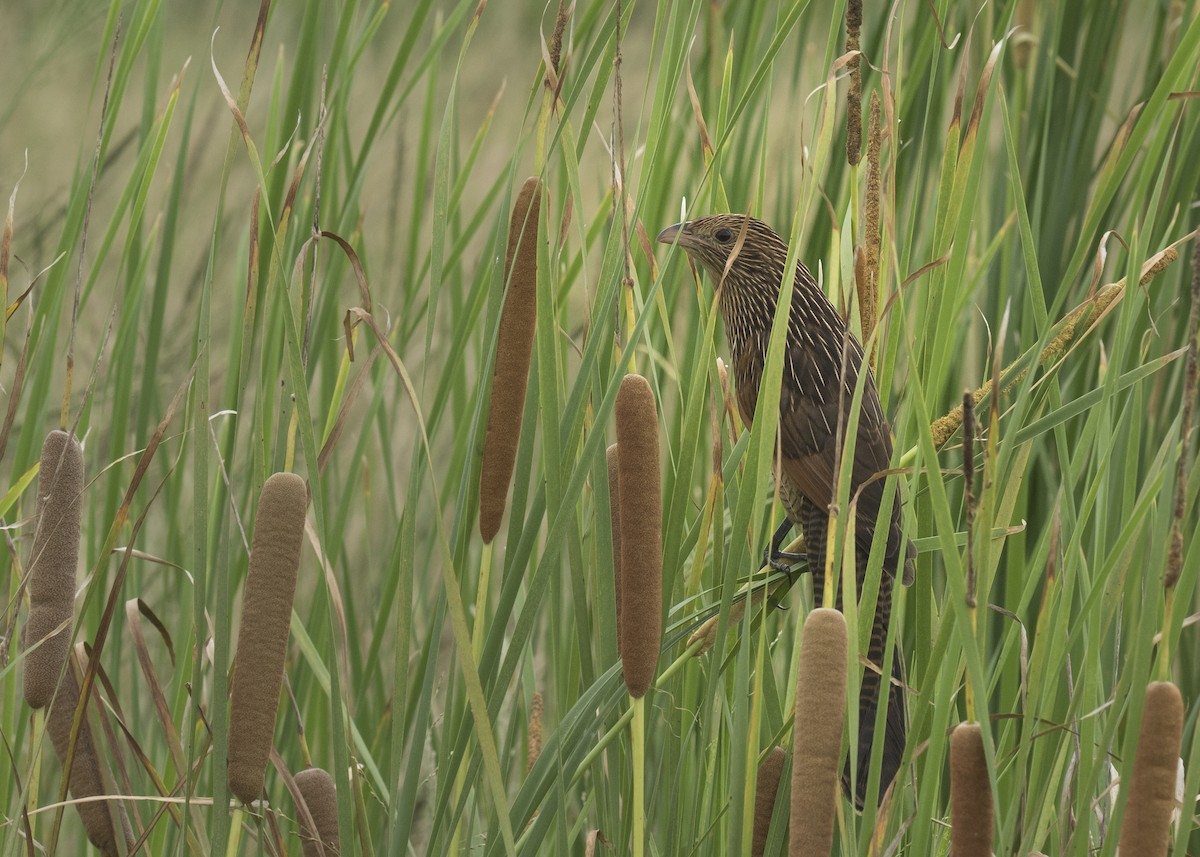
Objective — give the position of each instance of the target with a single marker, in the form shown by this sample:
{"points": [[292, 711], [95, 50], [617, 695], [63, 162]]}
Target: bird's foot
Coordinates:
{"points": [[775, 557]]}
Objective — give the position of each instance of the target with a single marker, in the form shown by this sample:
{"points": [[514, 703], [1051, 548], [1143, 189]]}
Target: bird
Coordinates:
{"points": [[746, 259]]}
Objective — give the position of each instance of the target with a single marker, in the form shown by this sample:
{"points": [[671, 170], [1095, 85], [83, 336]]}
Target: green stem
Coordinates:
{"points": [[638, 709]]}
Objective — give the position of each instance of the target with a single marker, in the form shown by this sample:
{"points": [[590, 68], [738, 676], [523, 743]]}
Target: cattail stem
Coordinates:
{"points": [[638, 734], [968, 452], [1146, 826], [817, 737], [630, 322], [477, 636], [971, 815], [618, 728], [481, 601]]}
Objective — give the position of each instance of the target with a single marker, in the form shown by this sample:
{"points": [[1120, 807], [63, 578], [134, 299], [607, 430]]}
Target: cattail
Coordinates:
{"points": [[263, 636], [866, 262], [817, 741], [970, 794], [1146, 829], [87, 776], [769, 773], [52, 566], [640, 493], [854, 96], [556, 41], [533, 746], [320, 796], [514, 348], [614, 516]]}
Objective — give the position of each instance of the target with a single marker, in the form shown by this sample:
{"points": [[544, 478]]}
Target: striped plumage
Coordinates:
{"points": [[746, 260]]}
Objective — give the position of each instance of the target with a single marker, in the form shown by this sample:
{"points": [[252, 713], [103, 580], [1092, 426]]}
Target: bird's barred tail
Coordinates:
{"points": [[895, 729]]}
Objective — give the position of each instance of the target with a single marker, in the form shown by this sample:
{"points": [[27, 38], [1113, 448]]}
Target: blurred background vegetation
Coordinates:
{"points": [[1032, 154]]}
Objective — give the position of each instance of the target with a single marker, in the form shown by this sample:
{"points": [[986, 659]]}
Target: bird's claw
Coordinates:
{"points": [[775, 557], [782, 561]]}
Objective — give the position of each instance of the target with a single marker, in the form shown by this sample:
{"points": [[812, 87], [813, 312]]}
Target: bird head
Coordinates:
{"points": [[736, 250]]}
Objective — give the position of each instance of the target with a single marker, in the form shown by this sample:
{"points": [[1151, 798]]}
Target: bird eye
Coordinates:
{"points": [[724, 235]]}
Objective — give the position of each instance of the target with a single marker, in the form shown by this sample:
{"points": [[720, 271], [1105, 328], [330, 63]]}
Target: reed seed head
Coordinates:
{"points": [[971, 817], [640, 492], [514, 350], [1146, 828], [52, 566], [263, 636], [320, 795], [769, 772], [533, 747], [817, 739]]}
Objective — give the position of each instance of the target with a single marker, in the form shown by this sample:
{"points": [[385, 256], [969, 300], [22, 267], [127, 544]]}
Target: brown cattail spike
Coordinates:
{"points": [[854, 96], [514, 350], [87, 776], [320, 796], [817, 740], [614, 516], [52, 566], [263, 636], [764, 798], [640, 492], [1146, 829], [971, 818]]}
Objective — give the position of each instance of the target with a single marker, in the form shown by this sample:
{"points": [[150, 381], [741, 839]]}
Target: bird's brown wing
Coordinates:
{"points": [[808, 416], [808, 422]]}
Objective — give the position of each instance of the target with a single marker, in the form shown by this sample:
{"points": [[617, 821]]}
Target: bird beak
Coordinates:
{"points": [[668, 235]]}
